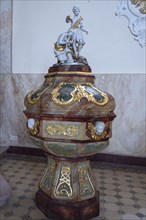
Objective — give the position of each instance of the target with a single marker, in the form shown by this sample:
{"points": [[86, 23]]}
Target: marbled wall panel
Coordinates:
{"points": [[5, 36], [14, 88], [128, 127]]}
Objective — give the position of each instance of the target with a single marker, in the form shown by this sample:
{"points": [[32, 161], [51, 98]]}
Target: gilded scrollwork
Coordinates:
{"points": [[34, 96], [64, 188], [93, 131], [141, 4], [86, 186], [60, 129], [67, 93]]}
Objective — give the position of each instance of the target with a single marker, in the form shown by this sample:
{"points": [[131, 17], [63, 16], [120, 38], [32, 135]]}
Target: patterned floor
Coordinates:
{"points": [[122, 189]]}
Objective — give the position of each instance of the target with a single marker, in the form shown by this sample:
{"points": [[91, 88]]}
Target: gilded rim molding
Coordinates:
{"points": [[78, 93]]}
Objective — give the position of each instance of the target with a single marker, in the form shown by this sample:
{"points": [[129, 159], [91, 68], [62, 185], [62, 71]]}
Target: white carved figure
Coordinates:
{"points": [[99, 127], [62, 48], [77, 28], [30, 123], [69, 44]]}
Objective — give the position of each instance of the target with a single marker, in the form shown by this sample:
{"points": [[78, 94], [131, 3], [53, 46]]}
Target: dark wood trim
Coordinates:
{"points": [[49, 75], [120, 159], [70, 117], [70, 68], [99, 157]]}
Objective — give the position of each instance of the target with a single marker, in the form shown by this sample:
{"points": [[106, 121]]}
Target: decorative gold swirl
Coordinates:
{"points": [[141, 4], [79, 92], [38, 92], [86, 186], [59, 47], [59, 129], [63, 187]]}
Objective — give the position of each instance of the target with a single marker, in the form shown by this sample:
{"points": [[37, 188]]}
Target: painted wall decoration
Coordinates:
{"points": [[135, 12]]}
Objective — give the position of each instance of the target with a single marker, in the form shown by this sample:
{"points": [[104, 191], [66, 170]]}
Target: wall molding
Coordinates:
{"points": [[99, 157]]}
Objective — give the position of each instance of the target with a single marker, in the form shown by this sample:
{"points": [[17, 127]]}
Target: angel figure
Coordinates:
{"points": [[76, 29]]}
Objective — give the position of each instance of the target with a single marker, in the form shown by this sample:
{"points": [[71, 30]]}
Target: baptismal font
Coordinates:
{"points": [[70, 119]]}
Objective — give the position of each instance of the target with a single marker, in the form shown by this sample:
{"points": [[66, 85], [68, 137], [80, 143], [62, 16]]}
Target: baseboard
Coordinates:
{"points": [[26, 151], [99, 157]]}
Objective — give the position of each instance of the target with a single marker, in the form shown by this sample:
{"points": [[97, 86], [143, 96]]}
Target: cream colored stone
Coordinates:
{"points": [[110, 192], [36, 214], [111, 199], [129, 209], [111, 206], [139, 190], [20, 211], [111, 215], [130, 217], [125, 194], [127, 201]]}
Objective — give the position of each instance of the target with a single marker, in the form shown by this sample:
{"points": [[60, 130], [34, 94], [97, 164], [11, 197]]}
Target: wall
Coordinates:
{"points": [[37, 24], [5, 36], [121, 64]]}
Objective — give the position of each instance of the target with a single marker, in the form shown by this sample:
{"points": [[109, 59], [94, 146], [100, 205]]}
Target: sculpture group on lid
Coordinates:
{"points": [[69, 44]]}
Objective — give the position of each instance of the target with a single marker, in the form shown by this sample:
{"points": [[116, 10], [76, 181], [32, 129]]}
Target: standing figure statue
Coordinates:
{"points": [[69, 44], [77, 28]]}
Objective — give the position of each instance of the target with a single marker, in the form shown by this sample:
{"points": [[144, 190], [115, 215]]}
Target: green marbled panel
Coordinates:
{"points": [[37, 141], [93, 148], [47, 180], [62, 149], [86, 188]]}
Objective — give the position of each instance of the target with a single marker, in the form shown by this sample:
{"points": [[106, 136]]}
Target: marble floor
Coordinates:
{"points": [[122, 189]]}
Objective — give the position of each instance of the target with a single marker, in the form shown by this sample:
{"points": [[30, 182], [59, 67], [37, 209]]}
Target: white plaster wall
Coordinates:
{"points": [[110, 47]]}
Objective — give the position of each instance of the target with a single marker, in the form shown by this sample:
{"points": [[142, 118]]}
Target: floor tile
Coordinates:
{"points": [[122, 189]]}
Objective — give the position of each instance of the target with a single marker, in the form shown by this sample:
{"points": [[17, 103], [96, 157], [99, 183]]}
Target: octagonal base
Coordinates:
{"points": [[64, 210]]}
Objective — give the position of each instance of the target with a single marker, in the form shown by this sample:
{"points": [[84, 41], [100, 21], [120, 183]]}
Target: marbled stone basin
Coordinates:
{"points": [[70, 119]]}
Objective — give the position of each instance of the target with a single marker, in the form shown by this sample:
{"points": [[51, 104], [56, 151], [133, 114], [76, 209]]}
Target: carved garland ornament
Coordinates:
{"points": [[59, 129], [67, 93], [135, 12]]}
